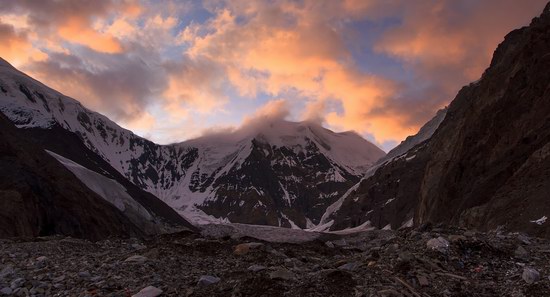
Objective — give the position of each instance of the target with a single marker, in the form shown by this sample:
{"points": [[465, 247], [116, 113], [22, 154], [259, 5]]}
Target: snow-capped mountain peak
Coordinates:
{"points": [[273, 172]]}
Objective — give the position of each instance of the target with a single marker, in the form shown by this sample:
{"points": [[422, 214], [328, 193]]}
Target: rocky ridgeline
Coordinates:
{"points": [[432, 262]]}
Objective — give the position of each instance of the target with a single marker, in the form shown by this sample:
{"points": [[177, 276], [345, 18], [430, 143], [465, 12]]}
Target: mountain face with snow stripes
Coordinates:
{"points": [[279, 173]]}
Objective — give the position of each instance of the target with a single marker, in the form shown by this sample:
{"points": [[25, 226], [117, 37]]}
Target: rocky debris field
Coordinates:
{"points": [[430, 262]]}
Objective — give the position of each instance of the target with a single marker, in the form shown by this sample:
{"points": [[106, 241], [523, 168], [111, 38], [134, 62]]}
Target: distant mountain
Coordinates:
{"points": [[278, 173], [487, 165]]}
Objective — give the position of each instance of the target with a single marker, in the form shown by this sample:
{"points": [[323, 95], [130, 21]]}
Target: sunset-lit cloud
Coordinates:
{"points": [[172, 69]]}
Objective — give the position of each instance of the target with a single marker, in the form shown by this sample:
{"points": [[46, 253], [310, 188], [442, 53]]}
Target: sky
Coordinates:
{"points": [[174, 70]]}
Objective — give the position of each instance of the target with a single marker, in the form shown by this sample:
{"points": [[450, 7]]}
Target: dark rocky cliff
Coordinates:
{"points": [[39, 196], [488, 163]]}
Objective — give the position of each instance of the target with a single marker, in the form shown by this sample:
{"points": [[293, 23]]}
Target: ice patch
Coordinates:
{"points": [[540, 221]]}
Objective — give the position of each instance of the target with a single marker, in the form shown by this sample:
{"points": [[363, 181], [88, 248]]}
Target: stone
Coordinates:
{"points": [[138, 247], [350, 266], [423, 281], [6, 271], [207, 280], [329, 244], [524, 239], [340, 242], [439, 244], [530, 275], [41, 261], [6, 291], [58, 279], [244, 248], [256, 268], [17, 283], [137, 259], [521, 252], [392, 248], [457, 238], [84, 274], [469, 233], [149, 291], [282, 274]]}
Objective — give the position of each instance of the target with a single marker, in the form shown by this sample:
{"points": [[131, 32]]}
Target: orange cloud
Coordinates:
{"points": [[16, 48], [79, 31]]}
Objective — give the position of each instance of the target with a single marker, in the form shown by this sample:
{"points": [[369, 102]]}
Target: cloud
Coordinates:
{"points": [[274, 110], [15, 46], [120, 84], [446, 45], [159, 68]]}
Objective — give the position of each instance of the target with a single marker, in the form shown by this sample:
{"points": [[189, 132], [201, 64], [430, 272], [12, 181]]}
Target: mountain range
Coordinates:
{"points": [[482, 162]]}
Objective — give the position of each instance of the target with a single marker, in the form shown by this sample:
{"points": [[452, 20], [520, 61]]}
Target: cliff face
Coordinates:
{"points": [[39, 196], [489, 161], [487, 164]]}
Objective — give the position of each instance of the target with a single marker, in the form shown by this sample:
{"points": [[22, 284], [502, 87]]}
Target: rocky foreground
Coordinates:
{"points": [[432, 262]]}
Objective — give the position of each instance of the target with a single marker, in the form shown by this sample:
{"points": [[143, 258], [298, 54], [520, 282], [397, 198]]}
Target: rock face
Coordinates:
{"points": [[38, 196], [487, 164], [277, 173]]}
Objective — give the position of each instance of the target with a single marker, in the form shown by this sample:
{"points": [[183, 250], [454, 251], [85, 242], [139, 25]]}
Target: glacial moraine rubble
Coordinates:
{"points": [[411, 262]]}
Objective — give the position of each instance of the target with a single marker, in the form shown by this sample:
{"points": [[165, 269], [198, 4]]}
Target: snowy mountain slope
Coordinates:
{"points": [[279, 173], [114, 193]]}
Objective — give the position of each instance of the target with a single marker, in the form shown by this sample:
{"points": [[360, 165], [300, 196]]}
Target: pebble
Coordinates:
{"points": [[207, 280], [521, 252], [84, 274], [244, 248], [530, 275], [350, 266], [17, 283], [149, 291], [6, 271], [138, 247], [136, 259], [6, 291], [423, 281], [329, 244], [256, 268], [282, 274], [439, 244]]}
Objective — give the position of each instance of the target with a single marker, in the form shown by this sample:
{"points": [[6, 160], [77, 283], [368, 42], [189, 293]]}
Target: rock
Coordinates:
{"points": [[340, 242], [423, 281], [439, 244], [530, 275], [350, 266], [6, 271], [137, 259], [17, 283], [521, 252], [256, 268], [392, 248], [282, 274], [58, 279], [41, 261], [138, 247], [469, 233], [149, 291], [244, 248], [456, 238], [207, 280], [524, 239], [6, 291], [329, 244], [84, 274]]}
